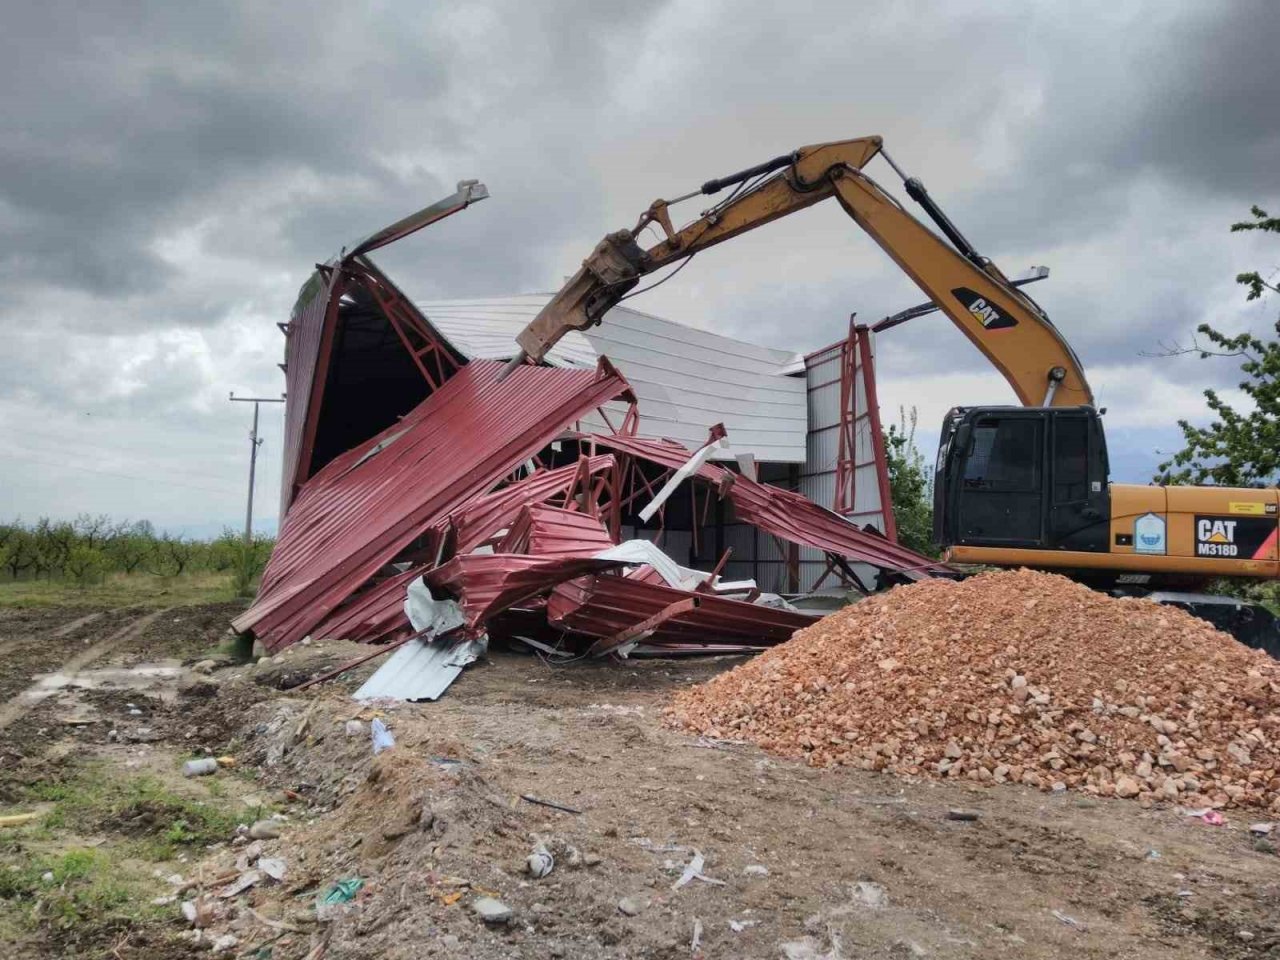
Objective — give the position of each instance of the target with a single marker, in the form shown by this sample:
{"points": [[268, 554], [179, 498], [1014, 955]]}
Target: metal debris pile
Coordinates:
{"points": [[523, 502], [453, 502], [1014, 676]]}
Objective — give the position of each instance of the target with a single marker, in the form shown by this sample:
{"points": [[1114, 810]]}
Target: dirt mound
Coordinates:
{"points": [[1014, 676]]}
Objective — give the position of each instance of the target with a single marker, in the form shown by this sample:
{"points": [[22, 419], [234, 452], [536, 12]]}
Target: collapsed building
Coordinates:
{"points": [[650, 488]]}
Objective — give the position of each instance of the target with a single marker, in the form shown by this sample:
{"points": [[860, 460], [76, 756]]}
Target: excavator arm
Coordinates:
{"points": [[1001, 321]]}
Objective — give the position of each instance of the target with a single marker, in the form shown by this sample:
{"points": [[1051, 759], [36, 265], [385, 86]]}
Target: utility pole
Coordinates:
{"points": [[254, 443]]}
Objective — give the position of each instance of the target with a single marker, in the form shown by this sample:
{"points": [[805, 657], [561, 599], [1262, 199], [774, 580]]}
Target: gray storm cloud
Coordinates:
{"points": [[169, 175]]}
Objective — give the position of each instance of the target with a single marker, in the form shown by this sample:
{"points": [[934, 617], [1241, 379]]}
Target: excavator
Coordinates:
{"points": [[1015, 486]]}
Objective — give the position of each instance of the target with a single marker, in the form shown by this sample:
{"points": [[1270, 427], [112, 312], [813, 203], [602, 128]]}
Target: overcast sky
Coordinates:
{"points": [[168, 177]]}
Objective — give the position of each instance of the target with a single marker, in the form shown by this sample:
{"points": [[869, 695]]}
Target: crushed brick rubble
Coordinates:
{"points": [[1014, 676]]}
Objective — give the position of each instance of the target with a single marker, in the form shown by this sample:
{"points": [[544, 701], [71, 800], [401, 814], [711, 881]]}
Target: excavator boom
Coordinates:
{"points": [[1001, 321]]}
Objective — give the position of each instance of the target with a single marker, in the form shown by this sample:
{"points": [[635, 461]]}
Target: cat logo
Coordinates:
{"points": [[987, 313], [1216, 538]]}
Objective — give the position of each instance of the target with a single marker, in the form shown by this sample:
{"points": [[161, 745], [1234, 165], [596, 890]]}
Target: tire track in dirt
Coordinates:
{"points": [[18, 706], [63, 631]]}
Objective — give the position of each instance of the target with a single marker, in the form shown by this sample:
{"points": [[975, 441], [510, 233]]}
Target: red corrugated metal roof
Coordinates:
{"points": [[601, 606], [368, 505], [310, 331], [373, 614]]}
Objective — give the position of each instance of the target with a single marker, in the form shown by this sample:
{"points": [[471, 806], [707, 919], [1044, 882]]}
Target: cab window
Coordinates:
{"points": [[1004, 456]]}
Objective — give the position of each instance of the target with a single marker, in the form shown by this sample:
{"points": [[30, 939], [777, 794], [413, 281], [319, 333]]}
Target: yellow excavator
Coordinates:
{"points": [[1014, 485]]}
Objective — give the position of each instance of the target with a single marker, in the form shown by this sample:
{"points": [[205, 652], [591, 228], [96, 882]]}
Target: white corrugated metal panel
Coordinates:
{"points": [[420, 671], [685, 379], [487, 328]]}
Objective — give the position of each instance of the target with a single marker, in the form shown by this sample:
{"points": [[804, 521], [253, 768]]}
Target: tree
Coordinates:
{"points": [[1238, 449], [18, 549], [171, 556], [910, 485], [131, 545], [86, 566]]}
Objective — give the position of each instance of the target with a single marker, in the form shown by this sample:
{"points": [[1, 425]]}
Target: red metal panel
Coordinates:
{"points": [[486, 515], [545, 531], [373, 614], [792, 517], [788, 516], [486, 584], [372, 502], [604, 606], [305, 333]]}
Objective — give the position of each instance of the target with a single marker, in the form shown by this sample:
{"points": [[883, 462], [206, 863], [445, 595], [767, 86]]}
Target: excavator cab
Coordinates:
{"points": [[1022, 478]]}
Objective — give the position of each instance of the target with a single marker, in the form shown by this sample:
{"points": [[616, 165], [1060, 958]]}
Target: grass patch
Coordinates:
{"points": [[158, 821], [121, 590], [75, 900], [74, 888]]}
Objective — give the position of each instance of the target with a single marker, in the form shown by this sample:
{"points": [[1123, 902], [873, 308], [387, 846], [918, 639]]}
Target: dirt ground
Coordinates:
{"points": [[796, 862]]}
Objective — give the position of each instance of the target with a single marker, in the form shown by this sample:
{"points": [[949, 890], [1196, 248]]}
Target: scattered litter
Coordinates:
{"points": [[737, 926], [548, 803], [632, 906], [1069, 921], [198, 912], [695, 942], [382, 739], [1152, 855], [249, 854], [224, 943], [240, 884], [965, 815], [1261, 829], [539, 863], [1186, 893], [265, 830], [18, 819], [338, 898], [354, 728], [273, 867], [691, 870], [200, 768], [755, 870], [492, 911], [870, 894], [707, 743], [1213, 818], [807, 948], [273, 924]]}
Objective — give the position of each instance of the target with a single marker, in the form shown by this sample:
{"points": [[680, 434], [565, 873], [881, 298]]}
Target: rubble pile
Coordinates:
{"points": [[1014, 676]]}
